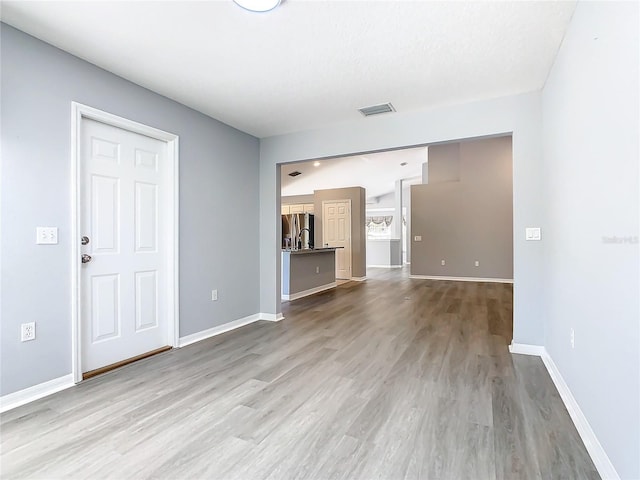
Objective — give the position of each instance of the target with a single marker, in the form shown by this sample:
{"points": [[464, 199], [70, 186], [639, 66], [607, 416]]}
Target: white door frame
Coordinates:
{"points": [[348, 201], [80, 112]]}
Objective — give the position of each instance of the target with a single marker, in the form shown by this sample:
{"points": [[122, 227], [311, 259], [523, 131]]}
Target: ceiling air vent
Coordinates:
{"points": [[376, 109], [295, 174]]}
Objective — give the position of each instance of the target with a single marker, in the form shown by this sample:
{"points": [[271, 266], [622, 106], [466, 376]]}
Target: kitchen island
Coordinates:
{"points": [[307, 271]]}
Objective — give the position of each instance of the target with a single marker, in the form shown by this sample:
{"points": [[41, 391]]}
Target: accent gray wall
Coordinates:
{"points": [[218, 185], [296, 199], [299, 270], [591, 151], [520, 114], [465, 212]]}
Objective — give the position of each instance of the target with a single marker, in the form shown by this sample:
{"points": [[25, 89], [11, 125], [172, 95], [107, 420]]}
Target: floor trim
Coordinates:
{"points": [[525, 349], [271, 317], [311, 291], [30, 394], [384, 266], [359, 279], [462, 279], [212, 332], [594, 448]]}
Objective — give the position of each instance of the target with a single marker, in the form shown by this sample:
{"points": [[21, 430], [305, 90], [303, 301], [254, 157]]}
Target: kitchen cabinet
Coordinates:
{"points": [[297, 208]]}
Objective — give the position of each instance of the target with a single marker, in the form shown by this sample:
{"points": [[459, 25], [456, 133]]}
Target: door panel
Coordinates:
{"points": [[105, 307], [336, 231], [124, 192]]}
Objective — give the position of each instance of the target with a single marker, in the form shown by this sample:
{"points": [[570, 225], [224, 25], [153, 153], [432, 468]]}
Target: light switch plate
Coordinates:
{"points": [[532, 233], [47, 235], [417, 238]]}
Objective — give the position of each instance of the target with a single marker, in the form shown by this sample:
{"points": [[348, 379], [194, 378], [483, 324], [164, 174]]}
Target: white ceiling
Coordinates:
{"points": [[308, 63], [376, 172]]}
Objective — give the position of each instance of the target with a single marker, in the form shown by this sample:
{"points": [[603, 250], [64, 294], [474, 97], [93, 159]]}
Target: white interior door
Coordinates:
{"points": [[336, 232], [124, 201]]}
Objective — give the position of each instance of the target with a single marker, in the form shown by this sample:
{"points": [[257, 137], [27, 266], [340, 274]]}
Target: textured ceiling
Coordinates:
{"points": [[308, 63], [376, 172]]}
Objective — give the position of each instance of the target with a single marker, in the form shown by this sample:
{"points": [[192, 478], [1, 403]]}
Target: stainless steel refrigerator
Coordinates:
{"points": [[297, 231]]}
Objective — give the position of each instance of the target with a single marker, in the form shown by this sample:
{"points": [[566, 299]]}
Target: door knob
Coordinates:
{"points": [[84, 240], [86, 258]]}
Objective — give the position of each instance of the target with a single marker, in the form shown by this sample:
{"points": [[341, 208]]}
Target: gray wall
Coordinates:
{"points": [[358, 230], [296, 199], [520, 114], [465, 212], [218, 179], [299, 270], [590, 118]]}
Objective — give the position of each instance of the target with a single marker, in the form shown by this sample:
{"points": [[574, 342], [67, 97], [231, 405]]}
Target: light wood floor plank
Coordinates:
{"points": [[392, 378]]}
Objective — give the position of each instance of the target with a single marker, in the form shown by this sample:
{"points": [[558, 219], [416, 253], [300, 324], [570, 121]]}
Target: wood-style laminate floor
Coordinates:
{"points": [[390, 378]]}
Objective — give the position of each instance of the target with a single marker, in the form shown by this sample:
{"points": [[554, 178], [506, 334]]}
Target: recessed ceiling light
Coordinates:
{"points": [[316, 164], [257, 5]]}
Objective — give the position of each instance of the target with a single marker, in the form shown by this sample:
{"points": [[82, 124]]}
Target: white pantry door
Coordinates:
{"points": [[336, 232], [124, 203]]}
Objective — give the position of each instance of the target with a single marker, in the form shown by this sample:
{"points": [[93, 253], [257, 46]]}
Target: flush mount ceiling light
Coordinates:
{"points": [[257, 5], [316, 164]]}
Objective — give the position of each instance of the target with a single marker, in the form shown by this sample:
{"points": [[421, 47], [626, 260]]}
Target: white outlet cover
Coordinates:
{"points": [[417, 238], [47, 235], [532, 233], [28, 331]]}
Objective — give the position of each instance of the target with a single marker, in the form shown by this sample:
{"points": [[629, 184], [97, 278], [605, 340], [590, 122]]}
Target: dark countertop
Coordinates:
{"points": [[306, 251]]}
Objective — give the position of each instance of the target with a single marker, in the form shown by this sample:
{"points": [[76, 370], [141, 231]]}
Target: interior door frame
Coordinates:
{"points": [[347, 201], [80, 112]]}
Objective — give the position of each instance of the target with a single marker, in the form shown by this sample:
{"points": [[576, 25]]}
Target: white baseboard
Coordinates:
{"points": [[359, 279], [271, 317], [600, 458], [212, 332], [384, 266], [462, 279], [22, 397], [525, 349], [311, 291]]}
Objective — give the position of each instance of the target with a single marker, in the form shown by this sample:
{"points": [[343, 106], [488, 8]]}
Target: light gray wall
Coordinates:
{"points": [[461, 221], [218, 182], [520, 114], [358, 230], [590, 118]]}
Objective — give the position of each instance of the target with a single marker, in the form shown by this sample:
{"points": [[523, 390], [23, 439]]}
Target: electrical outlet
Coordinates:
{"points": [[317, 269], [47, 235], [443, 263], [573, 339], [28, 331], [417, 238], [477, 263], [214, 295]]}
